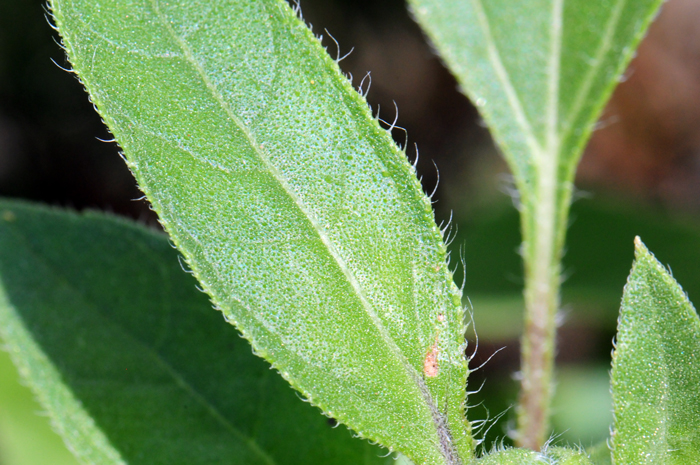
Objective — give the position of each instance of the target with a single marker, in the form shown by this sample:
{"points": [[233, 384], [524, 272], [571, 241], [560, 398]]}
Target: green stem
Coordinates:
{"points": [[544, 230]]}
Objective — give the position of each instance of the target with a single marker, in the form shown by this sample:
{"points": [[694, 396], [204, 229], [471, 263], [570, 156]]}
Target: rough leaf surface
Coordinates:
{"points": [[656, 370], [293, 207]]}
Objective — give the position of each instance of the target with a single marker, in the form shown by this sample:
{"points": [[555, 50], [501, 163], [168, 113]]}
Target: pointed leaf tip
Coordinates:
{"points": [[656, 369], [640, 250]]}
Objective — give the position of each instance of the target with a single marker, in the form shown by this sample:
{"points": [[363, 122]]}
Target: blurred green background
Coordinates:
{"points": [[639, 176]]}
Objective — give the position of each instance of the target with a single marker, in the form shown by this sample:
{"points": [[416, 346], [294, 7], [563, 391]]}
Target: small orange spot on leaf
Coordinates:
{"points": [[430, 363]]}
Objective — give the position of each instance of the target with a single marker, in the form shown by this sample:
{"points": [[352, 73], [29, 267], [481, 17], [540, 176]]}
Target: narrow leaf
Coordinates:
{"points": [[293, 207], [539, 71], [131, 362], [656, 370]]}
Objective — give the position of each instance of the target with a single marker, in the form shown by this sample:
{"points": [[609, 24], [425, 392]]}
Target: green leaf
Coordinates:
{"points": [[293, 207], [539, 71], [553, 456], [656, 370], [600, 454], [26, 438], [130, 360], [511, 457]]}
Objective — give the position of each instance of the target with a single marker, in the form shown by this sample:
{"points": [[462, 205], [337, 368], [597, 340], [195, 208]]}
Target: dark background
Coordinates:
{"points": [[639, 175]]}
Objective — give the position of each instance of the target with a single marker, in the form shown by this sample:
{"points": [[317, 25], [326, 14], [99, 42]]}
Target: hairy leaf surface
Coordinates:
{"points": [[553, 456], [130, 360], [293, 207], [656, 370]]}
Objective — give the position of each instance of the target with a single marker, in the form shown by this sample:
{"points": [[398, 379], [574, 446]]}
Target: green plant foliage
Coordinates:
{"points": [[656, 370], [293, 207], [25, 437], [600, 454], [130, 360], [553, 456], [539, 71]]}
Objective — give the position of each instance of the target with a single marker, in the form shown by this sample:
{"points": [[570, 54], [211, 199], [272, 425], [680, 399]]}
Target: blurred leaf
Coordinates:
{"points": [[600, 454], [130, 360], [511, 457], [566, 456], [295, 209], [582, 405], [26, 437], [540, 73], [656, 370]]}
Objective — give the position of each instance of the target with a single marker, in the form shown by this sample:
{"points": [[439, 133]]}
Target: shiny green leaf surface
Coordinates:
{"points": [[293, 207], [131, 362], [656, 370]]}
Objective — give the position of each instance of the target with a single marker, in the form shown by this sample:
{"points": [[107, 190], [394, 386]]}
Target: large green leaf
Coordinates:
{"points": [[130, 360], [656, 370], [293, 207]]}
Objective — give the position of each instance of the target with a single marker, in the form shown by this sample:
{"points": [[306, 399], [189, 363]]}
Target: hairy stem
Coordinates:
{"points": [[544, 229]]}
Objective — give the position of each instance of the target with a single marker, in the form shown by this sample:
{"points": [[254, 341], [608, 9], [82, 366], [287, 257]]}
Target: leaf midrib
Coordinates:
{"points": [[322, 234]]}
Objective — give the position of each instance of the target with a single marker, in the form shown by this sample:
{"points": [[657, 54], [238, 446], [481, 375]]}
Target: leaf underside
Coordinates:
{"points": [[131, 362], [295, 210], [656, 370], [539, 71]]}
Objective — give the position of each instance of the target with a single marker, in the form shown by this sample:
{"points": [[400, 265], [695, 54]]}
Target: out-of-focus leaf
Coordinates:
{"points": [[130, 360], [26, 438], [293, 207], [582, 405], [600, 454], [656, 370], [539, 72]]}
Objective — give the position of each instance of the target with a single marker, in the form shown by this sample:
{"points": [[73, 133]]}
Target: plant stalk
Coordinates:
{"points": [[544, 230]]}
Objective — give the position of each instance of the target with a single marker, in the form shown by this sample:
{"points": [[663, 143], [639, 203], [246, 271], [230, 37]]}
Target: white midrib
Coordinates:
{"points": [[547, 167], [323, 235]]}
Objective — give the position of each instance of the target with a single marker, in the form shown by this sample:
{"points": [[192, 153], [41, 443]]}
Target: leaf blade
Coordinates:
{"points": [[537, 70], [293, 207], [655, 374]]}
